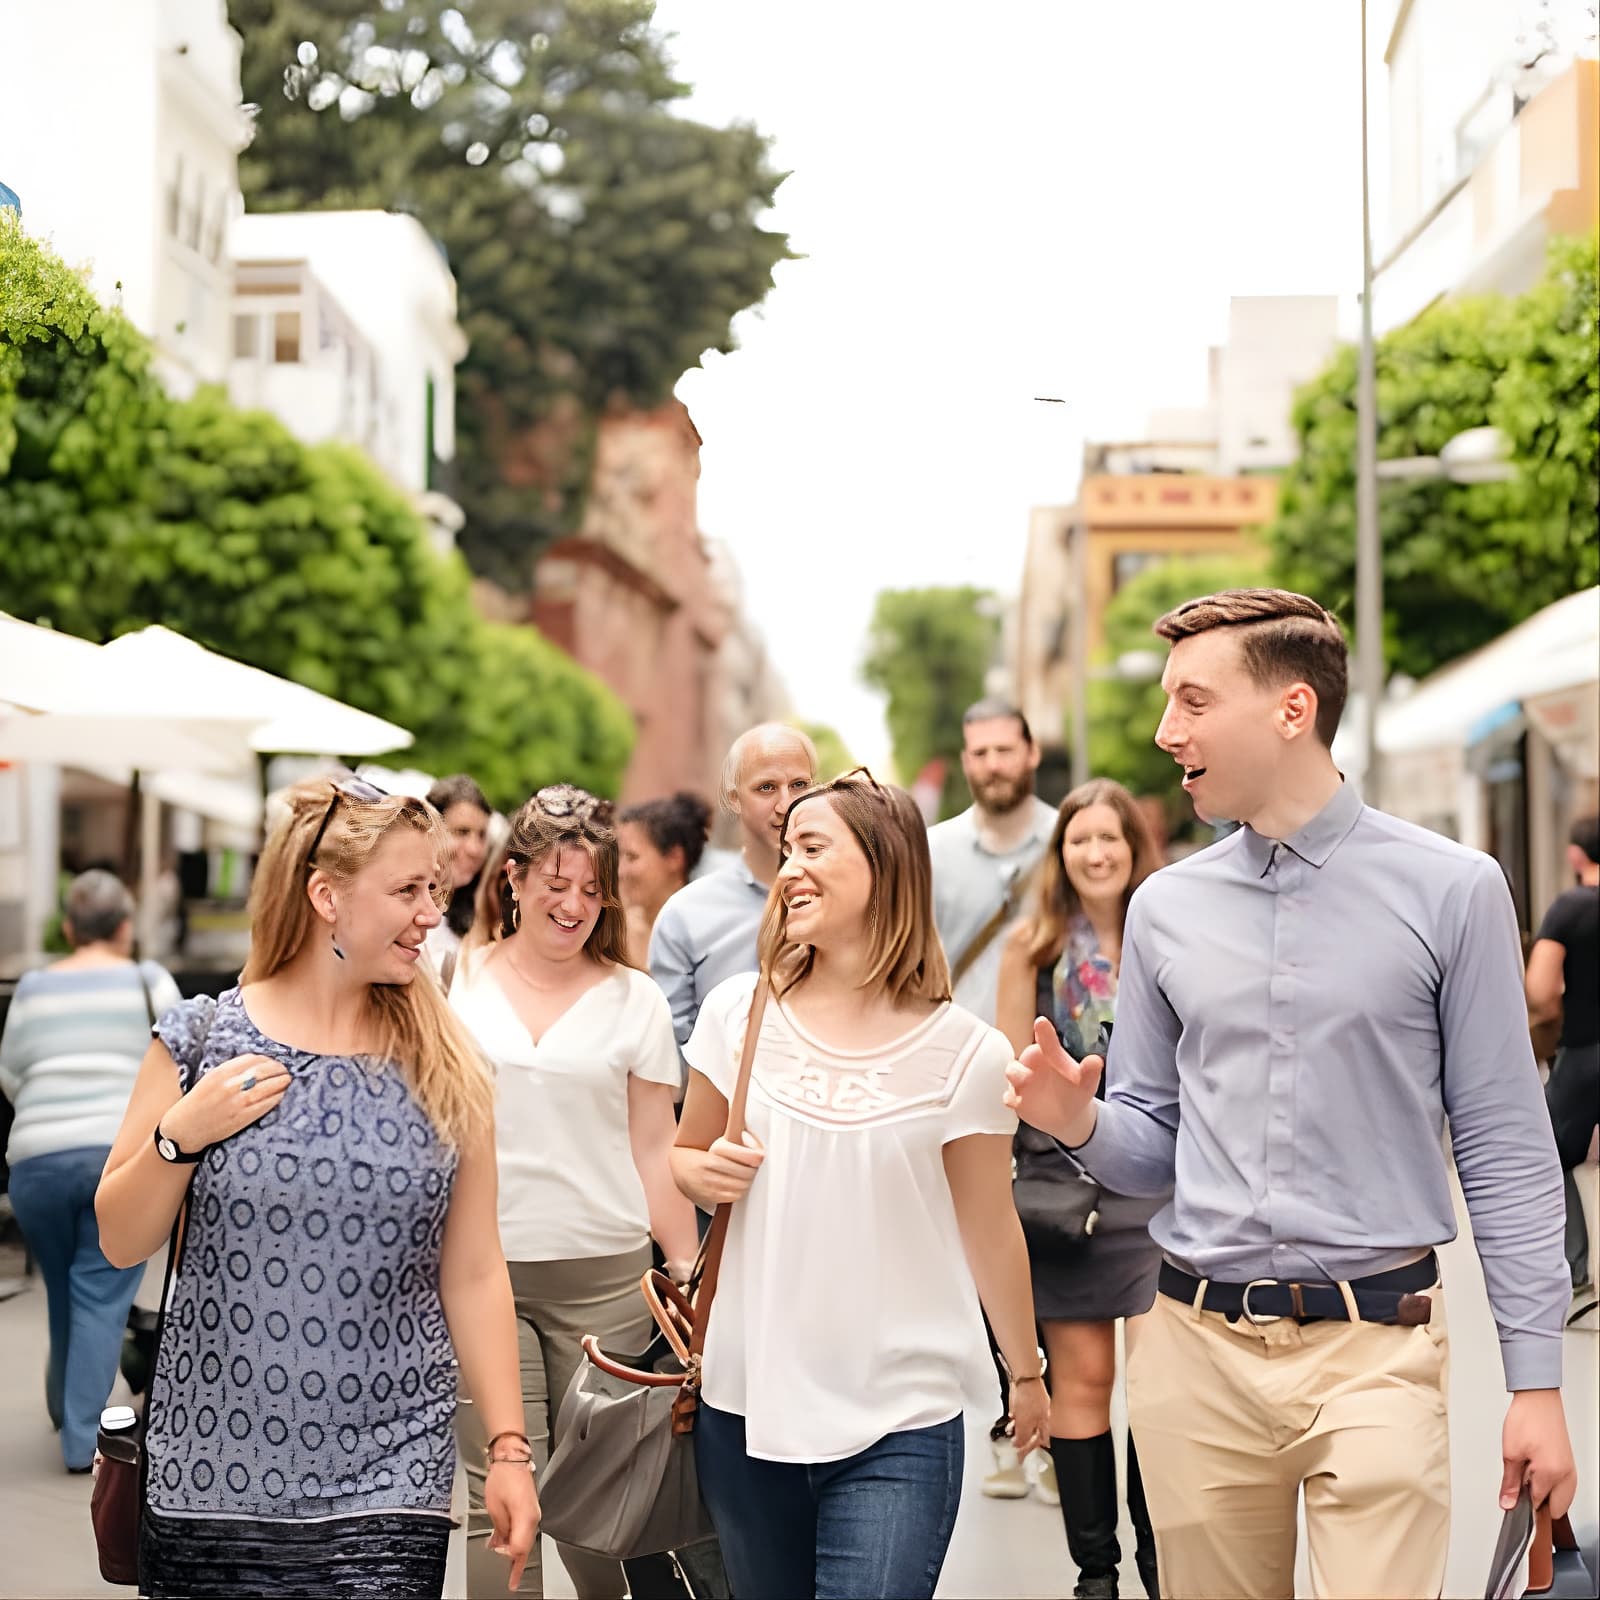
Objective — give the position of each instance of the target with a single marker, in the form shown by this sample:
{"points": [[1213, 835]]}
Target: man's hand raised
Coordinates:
{"points": [[1052, 1092]]}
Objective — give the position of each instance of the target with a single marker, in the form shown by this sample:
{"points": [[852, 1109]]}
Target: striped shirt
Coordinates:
{"points": [[71, 1050]]}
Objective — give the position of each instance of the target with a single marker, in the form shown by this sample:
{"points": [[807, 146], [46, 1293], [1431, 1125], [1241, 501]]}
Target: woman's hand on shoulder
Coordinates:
{"points": [[229, 1097]]}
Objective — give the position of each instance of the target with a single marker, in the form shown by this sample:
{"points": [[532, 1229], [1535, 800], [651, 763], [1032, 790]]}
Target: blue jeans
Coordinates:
{"points": [[87, 1298], [874, 1524]]}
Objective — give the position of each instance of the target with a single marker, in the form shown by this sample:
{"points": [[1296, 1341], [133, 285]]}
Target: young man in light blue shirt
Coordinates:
{"points": [[1302, 1007]]}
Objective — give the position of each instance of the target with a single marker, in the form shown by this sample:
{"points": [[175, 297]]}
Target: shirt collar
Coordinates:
{"points": [[1044, 821], [1318, 839]]}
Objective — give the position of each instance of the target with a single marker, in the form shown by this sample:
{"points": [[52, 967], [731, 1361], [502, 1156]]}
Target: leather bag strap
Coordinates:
{"points": [[735, 1132], [1004, 913], [683, 1411]]}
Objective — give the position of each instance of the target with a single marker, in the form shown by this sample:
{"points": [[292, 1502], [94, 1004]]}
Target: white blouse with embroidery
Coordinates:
{"points": [[844, 1308]]}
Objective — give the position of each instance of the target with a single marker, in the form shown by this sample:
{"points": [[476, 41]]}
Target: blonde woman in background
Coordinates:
{"points": [[586, 1071], [330, 1126]]}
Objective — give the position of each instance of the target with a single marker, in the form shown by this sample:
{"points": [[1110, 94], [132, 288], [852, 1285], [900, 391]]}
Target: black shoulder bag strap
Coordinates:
{"points": [[188, 1076]]}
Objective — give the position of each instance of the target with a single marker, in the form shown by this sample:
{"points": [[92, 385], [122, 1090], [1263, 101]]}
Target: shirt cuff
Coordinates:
{"points": [[1531, 1361]]}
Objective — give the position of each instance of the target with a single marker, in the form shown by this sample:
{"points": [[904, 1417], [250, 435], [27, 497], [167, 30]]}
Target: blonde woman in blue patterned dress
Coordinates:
{"points": [[1062, 962], [340, 1252]]}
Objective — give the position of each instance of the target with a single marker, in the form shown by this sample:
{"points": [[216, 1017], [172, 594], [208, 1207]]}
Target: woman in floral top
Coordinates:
{"points": [[1062, 962]]}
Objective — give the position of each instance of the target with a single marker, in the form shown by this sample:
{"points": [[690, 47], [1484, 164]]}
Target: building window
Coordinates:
{"points": [[428, 427], [246, 337], [196, 218], [175, 197], [286, 337]]}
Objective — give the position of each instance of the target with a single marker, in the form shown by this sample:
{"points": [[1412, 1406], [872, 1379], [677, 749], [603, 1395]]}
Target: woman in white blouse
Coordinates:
{"points": [[874, 1194], [586, 1075]]}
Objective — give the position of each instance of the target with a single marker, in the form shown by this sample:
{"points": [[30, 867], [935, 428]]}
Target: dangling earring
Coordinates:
{"points": [[334, 936], [516, 914]]}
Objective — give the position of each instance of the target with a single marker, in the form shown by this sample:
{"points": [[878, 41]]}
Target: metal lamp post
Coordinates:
{"points": [[1369, 547]]}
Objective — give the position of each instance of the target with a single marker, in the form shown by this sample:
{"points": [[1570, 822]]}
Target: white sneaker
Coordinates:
{"points": [[1041, 1470], [1008, 1481]]}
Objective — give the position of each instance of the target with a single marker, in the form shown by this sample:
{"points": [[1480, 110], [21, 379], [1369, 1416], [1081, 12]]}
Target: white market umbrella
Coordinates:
{"points": [[156, 701], [167, 669], [148, 744], [33, 660]]}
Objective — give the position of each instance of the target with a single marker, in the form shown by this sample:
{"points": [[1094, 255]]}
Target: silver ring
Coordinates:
{"points": [[247, 1083]]}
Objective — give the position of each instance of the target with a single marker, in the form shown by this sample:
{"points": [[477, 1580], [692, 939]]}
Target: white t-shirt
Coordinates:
{"points": [[845, 1309], [569, 1189]]}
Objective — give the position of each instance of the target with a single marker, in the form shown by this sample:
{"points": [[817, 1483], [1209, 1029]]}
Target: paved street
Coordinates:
{"points": [[1000, 1548]]}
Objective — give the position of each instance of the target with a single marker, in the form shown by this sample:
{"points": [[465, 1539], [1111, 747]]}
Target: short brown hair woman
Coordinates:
{"points": [[1061, 962], [874, 1194], [330, 1125]]}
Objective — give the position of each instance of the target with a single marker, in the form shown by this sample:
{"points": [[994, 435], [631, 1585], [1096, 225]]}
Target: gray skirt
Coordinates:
{"points": [[1110, 1274]]}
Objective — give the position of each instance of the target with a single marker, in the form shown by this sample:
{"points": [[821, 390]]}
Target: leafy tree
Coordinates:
{"points": [[929, 651], [120, 507], [1124, 713], [600, 242], [833, 755], [1461, 562]]}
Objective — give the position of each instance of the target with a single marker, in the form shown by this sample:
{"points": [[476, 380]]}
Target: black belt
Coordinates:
{"points": [[1386, 1297]]}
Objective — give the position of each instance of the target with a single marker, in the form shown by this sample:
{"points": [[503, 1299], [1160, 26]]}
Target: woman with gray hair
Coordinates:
{"points": [[74, 1037]]}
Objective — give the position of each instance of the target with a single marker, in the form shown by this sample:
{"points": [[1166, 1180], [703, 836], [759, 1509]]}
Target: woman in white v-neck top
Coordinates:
{"points": [[586, 1073], [871, 1211]]}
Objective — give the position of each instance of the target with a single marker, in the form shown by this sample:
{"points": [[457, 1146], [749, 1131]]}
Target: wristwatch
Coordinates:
{"points": [[168, 1150]]}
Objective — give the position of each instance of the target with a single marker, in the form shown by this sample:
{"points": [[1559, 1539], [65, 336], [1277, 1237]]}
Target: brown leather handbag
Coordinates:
{"points": [[621, 1480]]}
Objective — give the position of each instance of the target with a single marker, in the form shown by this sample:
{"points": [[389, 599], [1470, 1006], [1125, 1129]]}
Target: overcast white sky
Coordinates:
{"points": [[1024, 197]]}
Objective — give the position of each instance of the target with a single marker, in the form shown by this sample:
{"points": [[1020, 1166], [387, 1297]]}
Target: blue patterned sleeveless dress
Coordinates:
{"points": [[299, 1436]]}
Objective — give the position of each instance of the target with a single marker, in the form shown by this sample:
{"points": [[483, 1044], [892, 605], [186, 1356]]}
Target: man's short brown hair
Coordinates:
{"points": [[1285, 638]]}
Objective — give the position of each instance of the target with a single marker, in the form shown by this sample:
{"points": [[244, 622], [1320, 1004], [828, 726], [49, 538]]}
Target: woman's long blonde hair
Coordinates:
{"points": [[414, 1024]]}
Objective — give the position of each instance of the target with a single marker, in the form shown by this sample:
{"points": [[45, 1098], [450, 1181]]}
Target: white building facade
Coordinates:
{"points": [[343, 323], [129, 166], [1485, 144]]}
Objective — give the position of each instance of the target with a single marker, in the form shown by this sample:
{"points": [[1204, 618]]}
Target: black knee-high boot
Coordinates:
{"points": [[1086, 1475], [1144, 1536]]}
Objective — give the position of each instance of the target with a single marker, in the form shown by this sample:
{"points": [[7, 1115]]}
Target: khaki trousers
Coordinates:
{"points": [[1234, 1420], [557, 1303]]}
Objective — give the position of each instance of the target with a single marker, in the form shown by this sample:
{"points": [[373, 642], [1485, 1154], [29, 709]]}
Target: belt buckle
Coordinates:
{"points": [[1256, 1318]]}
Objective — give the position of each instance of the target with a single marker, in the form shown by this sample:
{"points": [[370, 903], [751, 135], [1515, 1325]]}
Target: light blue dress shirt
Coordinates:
{"points": [[1296, 1021], [704, 933]]}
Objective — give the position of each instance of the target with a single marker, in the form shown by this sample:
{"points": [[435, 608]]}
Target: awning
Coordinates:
{"points": [[1555, 652]]}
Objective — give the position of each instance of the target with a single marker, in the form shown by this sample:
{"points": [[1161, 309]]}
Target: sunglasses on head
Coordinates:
{"points": [[351, 788], [562, 800]]}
